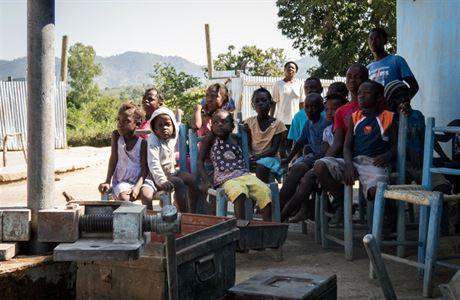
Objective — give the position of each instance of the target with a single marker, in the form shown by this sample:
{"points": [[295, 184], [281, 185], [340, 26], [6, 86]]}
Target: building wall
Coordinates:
{"points": [[428, 34]]}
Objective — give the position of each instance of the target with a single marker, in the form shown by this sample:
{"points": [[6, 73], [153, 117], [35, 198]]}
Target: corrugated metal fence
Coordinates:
{"points": [[242, 86], [13, 113], [248, 84]]}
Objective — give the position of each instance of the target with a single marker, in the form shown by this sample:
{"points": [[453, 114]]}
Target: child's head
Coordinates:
{"points": [[397, 93], [377, 39], [312, 85], [129, 117], [261, 101], [152, 100], [163, 123], [290, 69], [216, 97], [339, 88], [370, 94], [356, 74], [333, 102], [313, 106], [222, 123]]}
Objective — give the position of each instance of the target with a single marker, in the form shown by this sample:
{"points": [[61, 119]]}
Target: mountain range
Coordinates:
{"points": [[129, 68]]}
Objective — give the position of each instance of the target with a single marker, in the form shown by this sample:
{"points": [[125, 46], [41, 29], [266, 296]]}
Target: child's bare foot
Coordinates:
{"points": [[299, 216]]}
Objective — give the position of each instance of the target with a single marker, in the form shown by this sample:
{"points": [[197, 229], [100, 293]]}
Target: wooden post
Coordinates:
{"points": [[208, 50], [64, 58]]}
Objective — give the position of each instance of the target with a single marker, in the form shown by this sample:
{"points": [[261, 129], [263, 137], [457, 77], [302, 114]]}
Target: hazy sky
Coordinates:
{"points": [[165, 27]]}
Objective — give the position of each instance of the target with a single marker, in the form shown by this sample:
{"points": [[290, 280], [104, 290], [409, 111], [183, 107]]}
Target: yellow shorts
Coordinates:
{"points": [[251, 186]]}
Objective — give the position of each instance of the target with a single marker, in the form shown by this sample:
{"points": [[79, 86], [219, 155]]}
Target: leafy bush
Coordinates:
{"points": [[92, 124]]}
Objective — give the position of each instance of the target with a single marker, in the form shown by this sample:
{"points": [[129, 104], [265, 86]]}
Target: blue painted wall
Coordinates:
{"points": [[428, 35]]}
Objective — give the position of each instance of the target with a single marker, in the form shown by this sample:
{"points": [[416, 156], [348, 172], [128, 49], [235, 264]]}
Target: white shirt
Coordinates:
{"points": [[287, 96], [328, 135]]}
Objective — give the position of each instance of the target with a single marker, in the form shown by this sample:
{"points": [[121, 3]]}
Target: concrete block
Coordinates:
{"points": [[127, 224], [16, 225], [96, 250], [59, 224], [8, 250]]}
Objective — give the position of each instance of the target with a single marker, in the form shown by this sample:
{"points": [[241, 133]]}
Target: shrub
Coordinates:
{"points": [[93, 123]]}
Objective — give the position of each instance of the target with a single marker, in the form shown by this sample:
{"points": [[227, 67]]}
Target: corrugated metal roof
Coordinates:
{"points": [[13, 113]]}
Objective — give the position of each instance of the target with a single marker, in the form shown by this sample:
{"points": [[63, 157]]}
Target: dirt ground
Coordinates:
{"points": [[301, 253]]}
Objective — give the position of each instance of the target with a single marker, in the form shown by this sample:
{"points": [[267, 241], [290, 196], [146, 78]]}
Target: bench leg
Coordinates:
{"points": [[348, 222], [317, 218], [324, 226], [276, 209], [221, 203], [432, 243], [379, 210], [422, 232]]}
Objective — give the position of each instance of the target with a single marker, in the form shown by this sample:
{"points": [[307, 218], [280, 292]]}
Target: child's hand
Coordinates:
{"points": [[134, 193], [205, 185], [382, 160], [405, 108], [168, 186], [103, 187], [350, 174]]}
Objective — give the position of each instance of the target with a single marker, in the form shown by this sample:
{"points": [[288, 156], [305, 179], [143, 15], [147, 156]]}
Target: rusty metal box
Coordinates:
{"points": [[205, 265]]}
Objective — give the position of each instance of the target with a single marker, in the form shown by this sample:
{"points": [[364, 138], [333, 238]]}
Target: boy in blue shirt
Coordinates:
{"points": [[311, 85], [398, 96], [310, 138]]}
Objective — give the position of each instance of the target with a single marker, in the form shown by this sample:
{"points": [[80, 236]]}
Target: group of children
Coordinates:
{"points": [[335, 141]]}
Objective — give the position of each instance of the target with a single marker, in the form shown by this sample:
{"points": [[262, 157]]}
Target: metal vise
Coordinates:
{"points": [[103, 230]]}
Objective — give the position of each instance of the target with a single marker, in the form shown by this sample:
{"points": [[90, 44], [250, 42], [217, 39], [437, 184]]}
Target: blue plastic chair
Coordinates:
{"points": [[431, 204]]}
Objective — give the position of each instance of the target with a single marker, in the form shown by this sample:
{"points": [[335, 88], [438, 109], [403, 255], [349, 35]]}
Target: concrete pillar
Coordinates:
{"points": [[40, 111]]}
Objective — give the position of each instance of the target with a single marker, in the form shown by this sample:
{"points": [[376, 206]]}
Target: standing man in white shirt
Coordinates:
{"points": [[288, 95]]}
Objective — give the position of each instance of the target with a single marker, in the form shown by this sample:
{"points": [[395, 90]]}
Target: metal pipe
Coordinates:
{"points": [[40, 112]]}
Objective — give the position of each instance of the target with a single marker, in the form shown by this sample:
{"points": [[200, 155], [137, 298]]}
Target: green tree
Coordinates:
{"points": [[252, 61], [335, 30], [180, 90], [82, 71]]}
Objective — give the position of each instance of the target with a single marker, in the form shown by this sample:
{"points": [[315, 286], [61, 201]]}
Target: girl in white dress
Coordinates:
{"points": [[128, 169]]}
